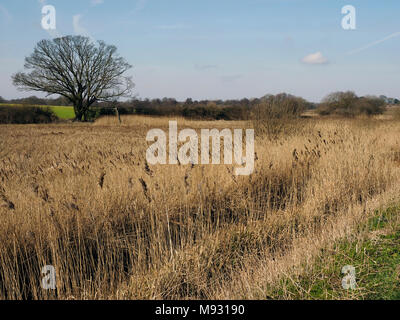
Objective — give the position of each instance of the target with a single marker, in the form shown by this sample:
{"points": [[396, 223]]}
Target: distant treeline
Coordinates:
{"points": [[242, 109], [193, 109], [347, 104], [33, 100], [282, 105]]}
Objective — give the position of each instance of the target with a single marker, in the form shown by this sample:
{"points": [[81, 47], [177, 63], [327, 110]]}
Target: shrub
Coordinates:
{"points": [[370, 105], [347, 104], [280, 106], [275, 115]]}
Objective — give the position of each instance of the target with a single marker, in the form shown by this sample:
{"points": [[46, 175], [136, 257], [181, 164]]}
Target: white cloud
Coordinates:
{"points": [[315, 58]]}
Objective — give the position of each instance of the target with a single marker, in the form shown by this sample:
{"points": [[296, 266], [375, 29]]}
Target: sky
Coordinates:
{"points": [[222, 49]]}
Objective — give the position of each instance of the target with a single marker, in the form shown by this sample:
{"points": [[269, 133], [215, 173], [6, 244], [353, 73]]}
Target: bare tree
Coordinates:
{"points": [[77, 69]]}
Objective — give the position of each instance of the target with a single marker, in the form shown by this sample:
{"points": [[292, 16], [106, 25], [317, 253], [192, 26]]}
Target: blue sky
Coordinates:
{"points": [[221, 49]]}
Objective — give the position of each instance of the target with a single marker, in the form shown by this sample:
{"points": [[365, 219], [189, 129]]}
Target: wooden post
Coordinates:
{"points": [[117, 114]]}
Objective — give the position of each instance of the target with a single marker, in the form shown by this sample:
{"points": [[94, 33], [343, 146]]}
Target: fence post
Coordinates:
{"points": [[117, 114]]}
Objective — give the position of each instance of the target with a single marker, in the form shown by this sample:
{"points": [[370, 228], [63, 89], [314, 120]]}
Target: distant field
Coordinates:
{"points": [[63, 112]]}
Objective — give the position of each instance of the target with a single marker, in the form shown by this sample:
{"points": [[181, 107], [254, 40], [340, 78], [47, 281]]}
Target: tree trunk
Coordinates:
{"points": [[78, 115], [80, 111], [85, 116]]}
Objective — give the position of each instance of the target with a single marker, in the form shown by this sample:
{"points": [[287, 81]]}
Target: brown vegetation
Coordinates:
{"points": [[81, 197]]}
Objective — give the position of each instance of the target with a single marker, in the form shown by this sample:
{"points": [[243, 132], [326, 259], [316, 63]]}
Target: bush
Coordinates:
{"points": [[370, 105], [279, 106], [25, 115], [347, 104], [279, 114]]}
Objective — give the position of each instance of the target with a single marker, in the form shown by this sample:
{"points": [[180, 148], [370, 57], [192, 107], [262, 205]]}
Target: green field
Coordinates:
{"points": [[62, 112]]}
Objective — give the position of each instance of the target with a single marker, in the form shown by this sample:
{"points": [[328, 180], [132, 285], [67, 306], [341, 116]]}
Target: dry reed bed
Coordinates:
{"points": [[82, 198]]}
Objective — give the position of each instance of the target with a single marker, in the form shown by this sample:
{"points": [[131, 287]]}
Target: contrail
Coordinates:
{"points": [[393, 35]]}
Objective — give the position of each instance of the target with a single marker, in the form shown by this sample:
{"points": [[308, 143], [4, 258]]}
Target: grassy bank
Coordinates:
{"points": [[373, 250]]}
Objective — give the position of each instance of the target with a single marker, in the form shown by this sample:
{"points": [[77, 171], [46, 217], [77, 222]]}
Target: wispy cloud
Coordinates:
{"points": [[5, 13], [372, 44], [139, 6], [78, 29], [315, 58], [96, 2], [206, 66], [171, 27]]}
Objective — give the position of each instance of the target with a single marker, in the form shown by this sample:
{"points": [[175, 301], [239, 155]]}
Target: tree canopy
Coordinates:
{"points": [[78, 69]]}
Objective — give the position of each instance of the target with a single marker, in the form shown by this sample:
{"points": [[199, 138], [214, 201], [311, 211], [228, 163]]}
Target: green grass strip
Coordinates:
{"points": [[375, 257]]}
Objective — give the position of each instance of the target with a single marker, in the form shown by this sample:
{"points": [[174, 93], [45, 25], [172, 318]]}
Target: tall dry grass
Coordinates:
{"points": [[81, 197]]}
